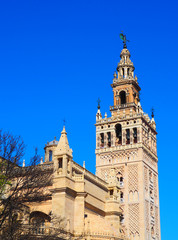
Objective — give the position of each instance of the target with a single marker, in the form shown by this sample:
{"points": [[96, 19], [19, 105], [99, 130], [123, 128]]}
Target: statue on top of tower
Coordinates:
{"points": [[124, 39]]}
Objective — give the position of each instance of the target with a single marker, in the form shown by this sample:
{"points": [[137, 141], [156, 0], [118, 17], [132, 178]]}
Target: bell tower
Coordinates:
{"points": [[126, 142]]}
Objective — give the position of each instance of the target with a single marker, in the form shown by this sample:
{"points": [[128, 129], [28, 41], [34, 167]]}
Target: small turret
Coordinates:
{"points": [[63, 156], [98, 114], [63, 145]]}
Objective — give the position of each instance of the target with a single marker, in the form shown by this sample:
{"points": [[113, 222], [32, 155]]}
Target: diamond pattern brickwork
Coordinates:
{"points": [[133, 177], [134, 218]]}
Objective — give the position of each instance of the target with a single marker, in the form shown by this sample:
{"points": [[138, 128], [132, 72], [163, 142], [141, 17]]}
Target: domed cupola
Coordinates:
{"points": [[125, 67]]}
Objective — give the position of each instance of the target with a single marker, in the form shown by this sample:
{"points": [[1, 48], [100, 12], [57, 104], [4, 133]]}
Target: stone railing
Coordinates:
{"points": [[120, 147], [122, 106], [86, 174], [118, 117], [78, 177], [101, 235]]}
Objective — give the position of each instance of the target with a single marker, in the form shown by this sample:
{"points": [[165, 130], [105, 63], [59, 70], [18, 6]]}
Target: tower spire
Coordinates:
{"points": [[98, 101], [63, 145], [152, 112]]}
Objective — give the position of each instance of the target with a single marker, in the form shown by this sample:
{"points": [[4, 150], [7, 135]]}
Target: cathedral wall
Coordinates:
{"points": [[44, 207], [69, 209], [96, 196]]}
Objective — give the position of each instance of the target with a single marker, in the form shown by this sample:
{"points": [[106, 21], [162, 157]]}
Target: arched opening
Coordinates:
{"points": [[128, 71], [123, 72], [127, 136], [59, 162], [122, 97], [50, 155], [122, 197], [151, 193], [121, 181], [102, 139], [118, 129], [152, 231], [111, 192], [152, 211], [135, 135], [121, 218], [135, 196], [40, 222], [109, 139], [130, 196], [150, 177]]}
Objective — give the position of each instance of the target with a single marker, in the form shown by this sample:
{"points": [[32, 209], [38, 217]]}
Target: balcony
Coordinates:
{"points": [[125, 105]]}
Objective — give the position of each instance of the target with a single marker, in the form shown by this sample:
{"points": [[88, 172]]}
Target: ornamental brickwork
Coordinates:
{"points": [[126, 141]]}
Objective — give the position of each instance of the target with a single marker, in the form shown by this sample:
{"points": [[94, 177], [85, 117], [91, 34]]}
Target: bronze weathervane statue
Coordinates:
{"points": [[124, 39]]}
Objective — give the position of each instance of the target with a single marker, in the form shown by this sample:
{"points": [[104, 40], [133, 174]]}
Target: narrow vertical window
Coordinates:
{"points": [[123, 72], [59, 162], [111, 192], [121, 218], [121, 181], [118, 129], [127, 136], [122, 97], [102, 139], [50, 155], [128, 71], [109, 139], [122, 197], [135, 135]]}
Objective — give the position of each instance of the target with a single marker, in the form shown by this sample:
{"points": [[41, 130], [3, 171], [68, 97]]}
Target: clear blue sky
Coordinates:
{"points": [[57, 57]]}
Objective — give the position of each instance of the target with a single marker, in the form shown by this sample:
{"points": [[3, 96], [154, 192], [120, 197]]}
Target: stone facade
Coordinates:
{"points": [[121, 201]]}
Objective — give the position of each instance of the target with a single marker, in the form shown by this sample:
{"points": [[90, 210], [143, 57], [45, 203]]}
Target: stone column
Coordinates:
{"points": [[123, 137]]}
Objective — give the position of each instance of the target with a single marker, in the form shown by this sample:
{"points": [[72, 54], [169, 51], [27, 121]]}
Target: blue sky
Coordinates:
{"points": [[57, 57]]}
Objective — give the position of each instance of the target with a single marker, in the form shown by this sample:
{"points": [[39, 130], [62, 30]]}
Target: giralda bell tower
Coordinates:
{"points": [[126, 142]]}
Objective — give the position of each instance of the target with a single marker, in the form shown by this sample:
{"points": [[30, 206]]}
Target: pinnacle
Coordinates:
{"points": [[63, 145]]}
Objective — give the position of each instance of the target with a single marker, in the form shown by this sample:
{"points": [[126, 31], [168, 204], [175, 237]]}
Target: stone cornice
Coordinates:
{"points": [[124, 82]]}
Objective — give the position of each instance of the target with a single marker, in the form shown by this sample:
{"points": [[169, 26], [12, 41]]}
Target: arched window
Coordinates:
{"points": [[109, 139], [118, 129], [127, 136], [123, 72], [152, 231], [122, 197], [135, 135], [122, 97], [150, 176], [128, 71], [152, 211], [121, 218], [50, 155], [59, 162], [102, 139], [151, 193], [39, 222]]}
